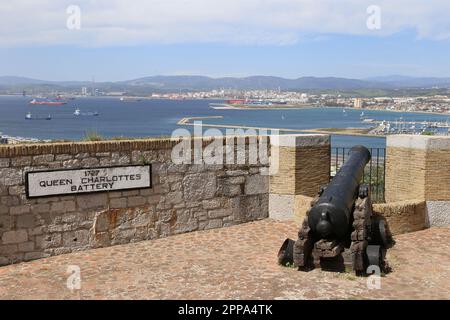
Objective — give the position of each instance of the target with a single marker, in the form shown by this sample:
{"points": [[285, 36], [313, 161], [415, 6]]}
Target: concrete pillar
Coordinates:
{"points": [[303, 165], [418, 167]]}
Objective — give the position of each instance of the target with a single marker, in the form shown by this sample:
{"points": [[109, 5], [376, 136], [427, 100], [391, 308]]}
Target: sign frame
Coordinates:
{"points": [[27, 186]]}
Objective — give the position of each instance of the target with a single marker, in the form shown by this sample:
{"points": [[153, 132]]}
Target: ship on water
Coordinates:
{"points": [[29, 116], [48, 102], [130, 99], [78, 113]]}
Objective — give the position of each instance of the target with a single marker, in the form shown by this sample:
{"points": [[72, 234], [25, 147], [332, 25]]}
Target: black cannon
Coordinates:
{"points": [[341, 229]]}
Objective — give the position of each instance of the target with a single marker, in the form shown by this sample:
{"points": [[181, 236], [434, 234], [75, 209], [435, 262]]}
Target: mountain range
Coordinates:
{"points": [[197, 83]]}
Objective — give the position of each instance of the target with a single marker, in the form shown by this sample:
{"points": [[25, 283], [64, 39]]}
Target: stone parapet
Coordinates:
{"points": [[183, 197], [303, 166], [418, 167]]}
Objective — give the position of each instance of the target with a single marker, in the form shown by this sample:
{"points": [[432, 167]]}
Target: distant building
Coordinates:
{"points": [[84, 91], [358, 103]]}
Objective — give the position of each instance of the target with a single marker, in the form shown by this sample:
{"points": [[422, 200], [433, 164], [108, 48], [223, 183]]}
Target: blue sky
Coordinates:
{"points": [[127, 46]]}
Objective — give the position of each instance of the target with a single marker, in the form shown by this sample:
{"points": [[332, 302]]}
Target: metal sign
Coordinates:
{"points": [[75, 181]]}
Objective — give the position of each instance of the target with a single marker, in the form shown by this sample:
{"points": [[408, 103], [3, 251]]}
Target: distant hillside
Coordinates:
{"points": [[198, 83], [398, 81], [13, 81], [254, 82]]}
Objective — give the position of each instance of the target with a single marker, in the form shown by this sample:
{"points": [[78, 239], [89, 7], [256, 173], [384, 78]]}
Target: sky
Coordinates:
{"points": [[113, 40]]}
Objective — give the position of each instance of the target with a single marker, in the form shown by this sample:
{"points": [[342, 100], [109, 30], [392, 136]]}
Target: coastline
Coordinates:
{"points": [[335, 131], [231, 107]]}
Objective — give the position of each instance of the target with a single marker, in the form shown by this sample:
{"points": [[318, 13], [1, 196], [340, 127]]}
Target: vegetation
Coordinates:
{"points": [[93, 136]]}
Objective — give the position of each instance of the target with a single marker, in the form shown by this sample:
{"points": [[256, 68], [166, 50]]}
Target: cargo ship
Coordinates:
{"points": [[47, 102]]}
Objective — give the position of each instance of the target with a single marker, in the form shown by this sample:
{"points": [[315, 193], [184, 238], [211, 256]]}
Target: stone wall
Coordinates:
{"points": [[183, 198], [418, 167]]}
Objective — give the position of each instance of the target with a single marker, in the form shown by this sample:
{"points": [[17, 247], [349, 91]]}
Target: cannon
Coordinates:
{"points": [[340, 228]]}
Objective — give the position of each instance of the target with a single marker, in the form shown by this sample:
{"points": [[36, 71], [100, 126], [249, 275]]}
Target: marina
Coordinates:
{"points": [[412, 127]]}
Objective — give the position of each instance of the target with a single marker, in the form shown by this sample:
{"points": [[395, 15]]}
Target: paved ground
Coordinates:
{"points": [[230, 263]]}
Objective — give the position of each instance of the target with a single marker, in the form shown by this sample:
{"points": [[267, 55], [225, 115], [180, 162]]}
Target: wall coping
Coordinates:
{"points": [[30, 149], [418, 142], [300, 140]]}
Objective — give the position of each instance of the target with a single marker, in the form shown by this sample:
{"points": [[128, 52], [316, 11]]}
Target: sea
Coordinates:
{"points": [[157, 117]]}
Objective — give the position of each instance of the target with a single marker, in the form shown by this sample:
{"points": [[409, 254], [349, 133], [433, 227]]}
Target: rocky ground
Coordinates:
{"points": [[237, 262]]}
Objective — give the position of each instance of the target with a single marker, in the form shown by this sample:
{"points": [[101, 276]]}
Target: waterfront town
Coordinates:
{"points": [[425, 100], [432, 103]]}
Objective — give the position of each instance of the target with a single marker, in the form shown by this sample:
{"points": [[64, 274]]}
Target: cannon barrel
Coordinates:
{"points": [[330, 217]]}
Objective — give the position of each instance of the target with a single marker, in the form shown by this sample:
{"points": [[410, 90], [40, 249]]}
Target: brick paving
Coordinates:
{"points": [[238, 262]]}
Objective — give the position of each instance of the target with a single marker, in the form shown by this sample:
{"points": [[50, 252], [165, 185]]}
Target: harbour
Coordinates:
{"points": [[110, 117]]}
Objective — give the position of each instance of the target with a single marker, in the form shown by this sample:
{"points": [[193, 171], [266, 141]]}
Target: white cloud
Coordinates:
{"points": [[278, 22]]}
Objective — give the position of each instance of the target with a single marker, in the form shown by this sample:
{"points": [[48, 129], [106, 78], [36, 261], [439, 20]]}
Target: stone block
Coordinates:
{"points": [[6, 222], [90, 162], [3, 209], [21, 161], [136, 201], [199, 186], [40, 208], [82, 155], [230, 190], [117, 203], [102, 222], [174, 197], [16, 190], [218, 213], [15, 236], [63, 157], [130, 193], [186, 227], [215, 223], [256, 184], [236, 180], [26, 221], [10, 201], [36, 231], [43, 159], [48, 241], [19, 210], [72, 163], [76, 238], [35, 255], [4, 162], [26, 247], [212, 203], [92, 201], [234, 173], [10, 176], [63, 206]]}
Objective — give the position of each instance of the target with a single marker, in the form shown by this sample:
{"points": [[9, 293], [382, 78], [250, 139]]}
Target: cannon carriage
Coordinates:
{"points": [[340, 228]]}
